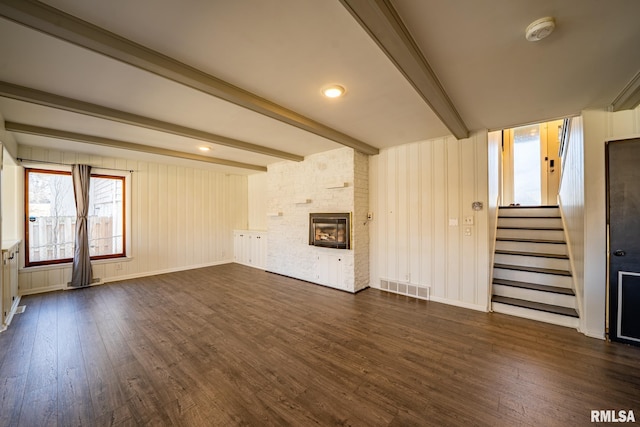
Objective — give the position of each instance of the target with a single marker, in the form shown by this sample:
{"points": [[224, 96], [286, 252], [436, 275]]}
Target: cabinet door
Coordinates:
{"points": [[336, 272], [242, 246], [330, 270], [13, 273], [258, 250], [238, 247], [6, 286]]}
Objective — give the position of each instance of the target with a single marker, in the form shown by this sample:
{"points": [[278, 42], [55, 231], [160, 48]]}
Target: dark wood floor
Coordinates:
{"points": [[231, 345]]}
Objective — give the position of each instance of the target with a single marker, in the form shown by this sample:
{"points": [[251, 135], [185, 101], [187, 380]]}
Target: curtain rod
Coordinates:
{"points": [[20, 159]]}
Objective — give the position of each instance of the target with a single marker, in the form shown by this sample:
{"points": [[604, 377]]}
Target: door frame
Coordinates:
{"points": [[547, 154]]}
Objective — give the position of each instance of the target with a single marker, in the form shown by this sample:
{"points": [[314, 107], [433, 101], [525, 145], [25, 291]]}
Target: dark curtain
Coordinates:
{"points": [[81, 274]]}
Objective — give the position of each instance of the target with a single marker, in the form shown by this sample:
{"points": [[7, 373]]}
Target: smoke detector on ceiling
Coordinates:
{"points": [[540, 28]]}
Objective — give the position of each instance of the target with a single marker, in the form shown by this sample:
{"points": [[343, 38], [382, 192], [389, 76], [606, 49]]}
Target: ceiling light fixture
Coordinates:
{"points": [[204, 148], [540, 28], [333, 91]]}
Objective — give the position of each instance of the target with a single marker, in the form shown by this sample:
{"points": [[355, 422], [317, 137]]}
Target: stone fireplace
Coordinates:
{"points": [[317, 206]]}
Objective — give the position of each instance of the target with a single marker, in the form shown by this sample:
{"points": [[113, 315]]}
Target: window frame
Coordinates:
{"points": [[96, 173]]}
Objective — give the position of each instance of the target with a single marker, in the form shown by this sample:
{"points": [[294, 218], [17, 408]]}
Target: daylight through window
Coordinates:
{"points": [[51, 217]]}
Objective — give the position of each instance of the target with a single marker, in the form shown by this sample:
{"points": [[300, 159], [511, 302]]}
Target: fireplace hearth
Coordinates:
{"points": [[330, 230]]}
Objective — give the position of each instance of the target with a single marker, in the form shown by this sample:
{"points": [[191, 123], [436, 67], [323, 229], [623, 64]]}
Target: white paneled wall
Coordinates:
{"points": [[599, 126], [258, 201], [181, 217], [11, 197], [571, 198], [418, 192]]}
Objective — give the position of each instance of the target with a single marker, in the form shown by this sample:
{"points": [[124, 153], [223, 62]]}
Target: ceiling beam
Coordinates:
{"points": [[56, 23], [629, 97], [383, 24], [21, 93], [107, 142]]}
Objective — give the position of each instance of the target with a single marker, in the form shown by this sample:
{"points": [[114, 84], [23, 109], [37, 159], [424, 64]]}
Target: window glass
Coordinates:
{"points": [[51, 217], [527, 185]]}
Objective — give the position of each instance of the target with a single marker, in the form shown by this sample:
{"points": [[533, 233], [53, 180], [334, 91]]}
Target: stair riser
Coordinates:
{"points": [[550, 212], [529, 277], [532, 261], [541, 316], [530, 222], [531, 234], [544, 248], [536, 296]]}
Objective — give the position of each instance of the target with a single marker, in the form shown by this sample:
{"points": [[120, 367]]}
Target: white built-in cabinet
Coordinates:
{"points": [[9, 284], [330, 270], [250, 248]]}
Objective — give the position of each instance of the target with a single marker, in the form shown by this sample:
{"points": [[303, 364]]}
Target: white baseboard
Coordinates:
{"points": [[593, 334], [246, 264], [52, 288], [459, 303], [14, 307], [102, 281], [157, 272]]}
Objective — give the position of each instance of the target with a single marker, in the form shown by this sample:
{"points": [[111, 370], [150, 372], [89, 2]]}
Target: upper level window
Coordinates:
{"points": [[51, 217]]}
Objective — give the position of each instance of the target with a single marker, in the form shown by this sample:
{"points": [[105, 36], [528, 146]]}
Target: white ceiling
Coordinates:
{"points": [[286, 50]]}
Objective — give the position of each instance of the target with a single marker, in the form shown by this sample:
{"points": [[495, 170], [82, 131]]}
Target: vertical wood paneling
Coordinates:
{"points": [[171, 208], [181, 225], [415, 190], [374, 238], [453, 210], [402, 213], [210, 218], [440, 225], [181, 217], [415, 212], [257, 201], [482, 227], [142, 177], [425, 220], [381, 214], [469, 188], [153, 225], [163, 220], [392, 214], [572, 202]]}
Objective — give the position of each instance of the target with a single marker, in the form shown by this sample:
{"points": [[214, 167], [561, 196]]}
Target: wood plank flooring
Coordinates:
{"points": [[231, 345]]}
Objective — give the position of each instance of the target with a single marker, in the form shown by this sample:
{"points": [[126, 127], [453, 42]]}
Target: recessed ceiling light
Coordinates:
{"points": [[540, 28], [333, 91], [204, 148]]}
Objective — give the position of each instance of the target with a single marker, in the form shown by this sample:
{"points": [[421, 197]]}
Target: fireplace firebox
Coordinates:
{"points": [[330, 230]]}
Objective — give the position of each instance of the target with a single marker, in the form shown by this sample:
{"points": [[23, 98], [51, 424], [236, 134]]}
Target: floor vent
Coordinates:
{"points": [[404, 288]]}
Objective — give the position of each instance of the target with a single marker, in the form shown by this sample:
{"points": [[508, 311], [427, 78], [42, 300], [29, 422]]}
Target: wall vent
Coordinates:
{"points": [[405, 288]]}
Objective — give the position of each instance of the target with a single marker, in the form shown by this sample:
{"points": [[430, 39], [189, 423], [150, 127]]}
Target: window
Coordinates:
{"points": [[51, 217]]}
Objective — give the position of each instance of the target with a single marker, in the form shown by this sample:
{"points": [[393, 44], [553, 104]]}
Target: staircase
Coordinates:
{"points": [[531, 271]]}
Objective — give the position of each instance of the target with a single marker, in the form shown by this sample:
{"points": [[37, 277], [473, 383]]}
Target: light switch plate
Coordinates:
{"points": [[453, 222], [468, 220]]}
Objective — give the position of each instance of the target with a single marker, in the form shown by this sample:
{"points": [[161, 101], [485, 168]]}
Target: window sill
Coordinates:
{"points": [[69, 264]]}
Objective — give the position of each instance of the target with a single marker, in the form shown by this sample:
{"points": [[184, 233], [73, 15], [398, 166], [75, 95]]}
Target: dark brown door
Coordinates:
{"points": [[623, 217]]}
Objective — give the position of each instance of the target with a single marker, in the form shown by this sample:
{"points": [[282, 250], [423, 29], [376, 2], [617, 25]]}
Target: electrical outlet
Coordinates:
{"points": [[119, 266], [467, 231], [370, 216]]}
